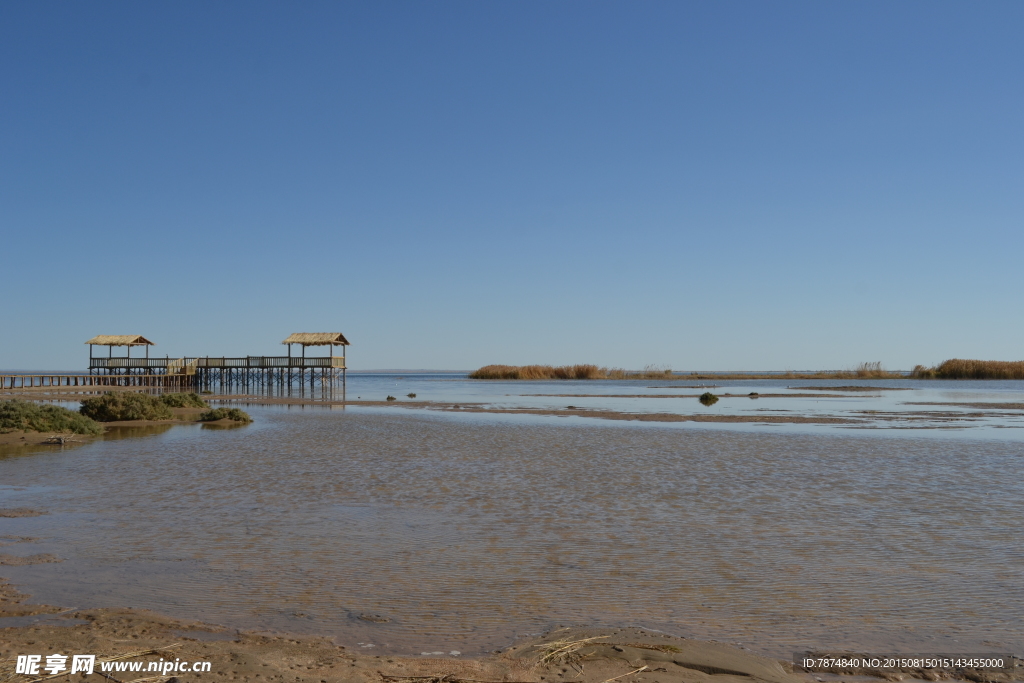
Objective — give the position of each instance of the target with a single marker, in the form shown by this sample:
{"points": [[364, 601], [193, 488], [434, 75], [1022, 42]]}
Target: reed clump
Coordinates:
{"points": [[29, 417], [123, 406], [577, 372], [190, 400], [649, 372], [235, 414], [582, 371], [959, 368], [874, 371]]}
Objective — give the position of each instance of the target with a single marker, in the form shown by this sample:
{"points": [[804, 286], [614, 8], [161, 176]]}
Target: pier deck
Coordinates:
{"points": [[254, 362]]}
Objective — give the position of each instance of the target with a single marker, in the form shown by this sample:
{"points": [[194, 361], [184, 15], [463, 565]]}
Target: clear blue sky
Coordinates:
{"points": [[714, 185]]}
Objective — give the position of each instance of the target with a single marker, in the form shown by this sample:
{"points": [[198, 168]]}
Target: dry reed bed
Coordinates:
{"points": [[955, 368], [586, 371], [958, 368]]}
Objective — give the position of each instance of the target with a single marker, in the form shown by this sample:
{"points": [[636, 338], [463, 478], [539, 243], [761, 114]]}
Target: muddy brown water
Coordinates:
{"points": [[415, 533]]}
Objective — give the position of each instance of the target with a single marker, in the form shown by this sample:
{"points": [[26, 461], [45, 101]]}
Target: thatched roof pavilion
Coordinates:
{"points": [[120, 340], [329, 339], [317, 339], [112, 340]]}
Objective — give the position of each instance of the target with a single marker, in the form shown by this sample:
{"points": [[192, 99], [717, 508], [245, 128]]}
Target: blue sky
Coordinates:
{"points": [[716, 185]]}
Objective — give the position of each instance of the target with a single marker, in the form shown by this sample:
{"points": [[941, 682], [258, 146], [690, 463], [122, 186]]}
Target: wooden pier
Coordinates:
{"points": [[36, 381], [243, 372]]}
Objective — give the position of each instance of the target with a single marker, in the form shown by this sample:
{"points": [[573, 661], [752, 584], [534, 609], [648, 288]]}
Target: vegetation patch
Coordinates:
{"points": [[123, 405], [30, 417], [225, 414], [958, 368], [577, 372], [191, 400], [539, 372], [708, 399], [584, 371]]}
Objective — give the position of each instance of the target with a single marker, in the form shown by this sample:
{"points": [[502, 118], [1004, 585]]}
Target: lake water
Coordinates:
{"points": [[466, 530]]}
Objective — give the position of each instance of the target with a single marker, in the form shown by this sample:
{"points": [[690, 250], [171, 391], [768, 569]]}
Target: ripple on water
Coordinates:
{"points": [[459, 536]]}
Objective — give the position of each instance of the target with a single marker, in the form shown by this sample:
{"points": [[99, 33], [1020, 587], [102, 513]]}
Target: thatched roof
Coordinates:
{"points": [[317, 339], [120, 340]]}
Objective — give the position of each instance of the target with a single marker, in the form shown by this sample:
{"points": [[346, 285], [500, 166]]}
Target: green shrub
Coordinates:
{"points": [[708, 399], [184, 401], [228, 413], [15, 415], [125, 405]]}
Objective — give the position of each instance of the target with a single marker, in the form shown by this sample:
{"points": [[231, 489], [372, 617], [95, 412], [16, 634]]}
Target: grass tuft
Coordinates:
{"points": [[225, 413], [708, 399], [123, 405], [31, 417]]}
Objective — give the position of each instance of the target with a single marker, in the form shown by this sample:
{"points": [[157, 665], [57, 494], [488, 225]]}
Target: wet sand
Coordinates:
{"points": [[602, 654], [725, 395], [630, 654], [764, 415], [862, 418], [853, 388]]}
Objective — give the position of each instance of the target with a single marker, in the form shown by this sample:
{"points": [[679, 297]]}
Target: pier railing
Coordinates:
{"points": [[39, 381], [112, 363], [263, 362]]}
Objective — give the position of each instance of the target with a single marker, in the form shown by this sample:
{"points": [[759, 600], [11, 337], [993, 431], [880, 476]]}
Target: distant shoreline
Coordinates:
{"points": [[954, 368]]}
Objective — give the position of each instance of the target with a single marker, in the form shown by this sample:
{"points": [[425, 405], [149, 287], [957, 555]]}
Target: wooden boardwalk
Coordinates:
{"points": [[195, 373], [36, 381], [248, 372], [253, 362]]}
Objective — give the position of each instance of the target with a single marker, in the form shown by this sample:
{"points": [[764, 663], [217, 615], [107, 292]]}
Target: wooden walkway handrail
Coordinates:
{"points": [[33, 381], [223, 362]]}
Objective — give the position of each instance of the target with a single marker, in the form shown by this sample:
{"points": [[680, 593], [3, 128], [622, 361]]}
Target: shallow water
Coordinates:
{"points": [[979, 408], [467, 530]]}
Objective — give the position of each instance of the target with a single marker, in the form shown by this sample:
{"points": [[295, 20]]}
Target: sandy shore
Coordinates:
{"points": [[630, 655], [586, 655]]}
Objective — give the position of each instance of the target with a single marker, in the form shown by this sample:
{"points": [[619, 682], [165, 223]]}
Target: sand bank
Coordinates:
{"points": [[181, 416]]}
